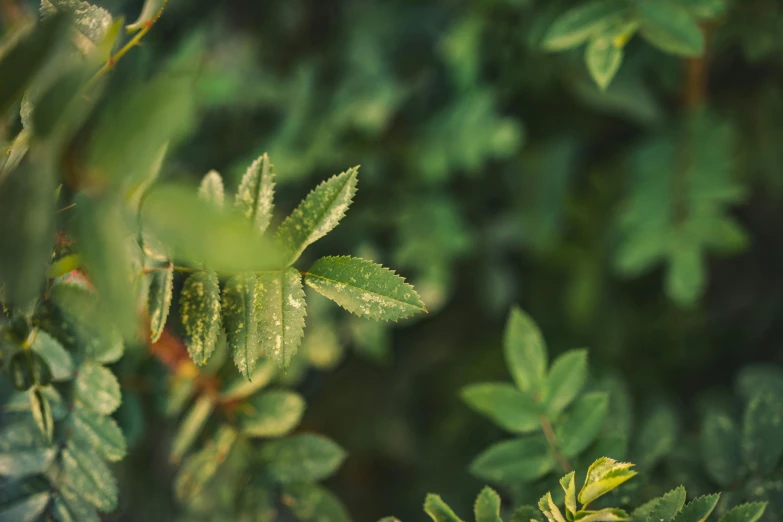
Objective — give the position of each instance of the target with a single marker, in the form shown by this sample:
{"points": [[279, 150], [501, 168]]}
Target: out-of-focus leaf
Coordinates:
{"points": [[565, 380], [438, 510], [603, 59], [520, 460], [159, 299], [68, 506], [656, 437], [720, 448], [199, 468], [525, 352], [487, 506], [190, 427], [97, 388], [313, 503], [581, 425], [762, 433], [57, 358], [42, 413], [578, 23], [95, 432], [150, 11], [88, 476], [504, 404], [668, 26], [255, 196], [242, 387], [302, 458], [271, 414]]}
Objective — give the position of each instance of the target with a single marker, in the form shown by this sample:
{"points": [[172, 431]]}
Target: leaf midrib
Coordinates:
{"points": [[420, 308]]}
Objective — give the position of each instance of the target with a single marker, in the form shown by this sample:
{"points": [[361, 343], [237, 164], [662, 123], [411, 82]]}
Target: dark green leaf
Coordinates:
{"points": [[88, 476], [68, 506], [255, 197], [302, 458], [663, 508], [657, 435], [438, 510], [513, 461], [42, 413], [525, 352], [199, 306], [95, 432], [190, 427], [159, 299], [97, 388], [750, 512], [201, 467], [668, 26], [281, 319], [271, 414], [240, 317], [762, 433], [56, 357], [504, 405], [698, 509], [582, 424], [313, 503], [578, 23], [565, 380], [487, 506], [720, 448]]}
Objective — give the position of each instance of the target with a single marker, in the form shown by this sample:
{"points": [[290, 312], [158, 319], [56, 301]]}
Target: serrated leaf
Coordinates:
{"points": [[762, 433], [211, 189], [159, 299], [241, 387], [568, 483], [578, 23], [504, 405], [603, 60], [150, 11], [550, 509], [364, 288], [583, 423], [89, 477], [42, 413], [90, 22], [271, 414], [191, 427], [720, 448], [565, 380], [97, 388], [95, 432], [199, 305], [302, 458], [438, 510], [487, 506], [240, 317], [56, 357], [663, 508], [656, 436], [525, 352], [200, 467], [603, 476], [281, 316], [317, 214], [698, 509], [602, 515], [255, 196], [668, 26], [526, 514], [67, 506], [512, 461], [314, 503], [750, 512]]}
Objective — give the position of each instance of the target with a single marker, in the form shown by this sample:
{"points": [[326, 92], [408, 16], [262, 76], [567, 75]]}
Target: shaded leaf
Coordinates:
{"points": [[241, 387], [504, 405], [190, 427], [487, 506], [578, 23], [519, 460], [57, 358], [525, 352], [199, 305], [565, 380], [720, 448], [438, 510], [762, 433], [663, 508], [750, 512], [255, 196], [583, 423], [200, 467], [42, 413], [67, 506], [98, 433], [314, 503], [271, 414], [302, 458], [97, 388], [282, 312], [670, 27], [240, 317], [159, 299], [89, 477], [698, 509]]}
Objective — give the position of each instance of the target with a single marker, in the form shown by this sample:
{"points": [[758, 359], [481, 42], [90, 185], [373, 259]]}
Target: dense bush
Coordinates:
{"points": [[610, 165]]}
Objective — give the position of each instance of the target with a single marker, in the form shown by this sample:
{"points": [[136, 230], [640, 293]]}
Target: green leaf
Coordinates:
{"points": [[202, 234], [68, 506], [504, 405], [91, 23], [255, 197], [656, 437], [302, 458], [762, 433], [487, 506], [191, 427], [26, 509], [568, 484], [698, 509], [526, 514], [200, 467], [317, 214], [314, 503], [103, 237], [26, 227], [583, 423], [271, 414], [685, 277], [281, 318], [149, 12], [42, 413], [663, 508], [565, 380], [27, 368], [603, 476], [512, 461], [550, 509], [56, 357], [19, 460], [720, 448], [95, 432], [525, 352], [364, 288], [750, 512], [97, 388], [602, 515], [240, 317], [241, 387], [211, 189], [577, 24], [670, 27], [438, 510], [89, 477], [159, 299], [20, 64], [199, 306], [603, 59]]}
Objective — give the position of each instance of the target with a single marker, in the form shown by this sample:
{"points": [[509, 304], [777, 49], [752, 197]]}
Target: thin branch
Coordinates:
{"points": [[551, 439]]}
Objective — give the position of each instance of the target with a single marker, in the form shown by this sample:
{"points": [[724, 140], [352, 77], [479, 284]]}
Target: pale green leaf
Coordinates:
{"points": [[670, 27], [68, 506], [240, 318], [762, 433], [149, 12], [199, 306], [550, 509], [89, 477], [57, 358], [255, 196], [22, 462], [271, 414], [314, 503], [579, 428], [487, 506], [211, 189], [656, 437], [698, 509], [685, 277], [364, 288], [750, 512], [504, 405], [302, 458], [282, 312], [603, 59], [190, 427], [568, 484], [525, 352], [159, 299], [438, 510], [90, 22], [317, 214], [603, 476], [602, 515], [241, 387], [720, 448], [92, 431], [97, 388], [26, 509], [200, 467], [526, 514], [565, 380], [513, 461], [42, 413], [578, 23]]}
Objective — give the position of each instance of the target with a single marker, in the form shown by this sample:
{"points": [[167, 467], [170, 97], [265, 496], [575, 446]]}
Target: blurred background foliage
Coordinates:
{"points": [[642, 221]]}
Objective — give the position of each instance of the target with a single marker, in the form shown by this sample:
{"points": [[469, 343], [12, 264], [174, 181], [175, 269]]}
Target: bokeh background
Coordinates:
{"points": [[492, 173]]}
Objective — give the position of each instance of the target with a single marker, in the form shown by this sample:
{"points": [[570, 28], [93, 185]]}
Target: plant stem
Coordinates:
{"points": [[549, 433]]}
